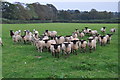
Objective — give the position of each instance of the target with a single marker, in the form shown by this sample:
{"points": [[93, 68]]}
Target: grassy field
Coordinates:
{"points": [[102, 63]]}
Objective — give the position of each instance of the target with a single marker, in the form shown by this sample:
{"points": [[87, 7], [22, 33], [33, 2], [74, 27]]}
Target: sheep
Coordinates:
{"points": [[1, 44], [103, 40], [83, 45], [81, 34], [50, 33], [40, 44], [66, 47], [48, 43], [96, 37], [74, 45], [92, 44], [60, 39], [17, 38], [108, 36], [77, 31], [103, 29], [55, 49], [27, 37], [11, 33], [74, 35], [113, 30], [68, 38]]}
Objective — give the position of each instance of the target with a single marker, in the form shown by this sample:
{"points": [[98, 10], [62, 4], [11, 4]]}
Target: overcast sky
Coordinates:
{"points": [[87, 5]]}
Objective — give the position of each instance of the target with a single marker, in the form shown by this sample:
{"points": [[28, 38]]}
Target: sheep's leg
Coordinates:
{"points": [[41, 49], [76, 52], [90, 50], [84, 50], [58, 54], [38, 49], [55, 54], [81, 49], [52, 54], [24, 42]]}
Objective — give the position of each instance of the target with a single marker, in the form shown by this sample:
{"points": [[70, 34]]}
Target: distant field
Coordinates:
{"points": [[102, 63]]}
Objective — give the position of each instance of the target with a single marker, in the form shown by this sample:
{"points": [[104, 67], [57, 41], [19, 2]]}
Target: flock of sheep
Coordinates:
{"points": [[56, 44]]}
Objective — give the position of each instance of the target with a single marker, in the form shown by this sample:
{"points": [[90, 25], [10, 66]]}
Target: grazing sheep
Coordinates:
{"points": [[1, 44], [74, 45], [103, 29], [55, 49], [108, 36], [91, 44], [83, 45], [113, 30], [11, 33], [103, 40]]}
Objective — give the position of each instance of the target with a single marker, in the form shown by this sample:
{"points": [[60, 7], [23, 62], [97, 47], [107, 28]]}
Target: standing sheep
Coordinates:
{"points": [[92, 44], [113, 30], [66, 47], [55, 49], [83, 45], [103, 40], [74, 45], [108, 36], [103, 29]]}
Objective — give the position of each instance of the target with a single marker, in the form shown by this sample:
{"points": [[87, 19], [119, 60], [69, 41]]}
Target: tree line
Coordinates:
{"points": [[37, 11]]}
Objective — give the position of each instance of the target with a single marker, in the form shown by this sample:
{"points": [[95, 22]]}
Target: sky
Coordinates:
{"points": [[82, 5]]}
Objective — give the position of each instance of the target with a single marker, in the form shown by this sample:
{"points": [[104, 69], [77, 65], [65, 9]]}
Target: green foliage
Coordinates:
{"points": [[36, 11], [102, 63]]}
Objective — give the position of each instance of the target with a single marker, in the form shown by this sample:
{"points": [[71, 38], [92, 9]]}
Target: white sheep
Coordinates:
{"points": [[92, 44], [55, 49], [108, 36], [60, 39], [83, 45], [50, 33], [17, 38], [48, 43], [27, 37], [66, 47], [81, 34], [40, 45], [68, 38], [113, 30], [74, 35], [103, 40], [103, 29], [74, 45]]}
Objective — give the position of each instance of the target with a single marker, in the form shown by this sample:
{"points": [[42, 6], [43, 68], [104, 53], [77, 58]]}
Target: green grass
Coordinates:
{"points": [[102, 63]]}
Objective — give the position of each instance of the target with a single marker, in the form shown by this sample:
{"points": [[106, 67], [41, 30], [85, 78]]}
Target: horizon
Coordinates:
{"points": [[81, 6]]}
